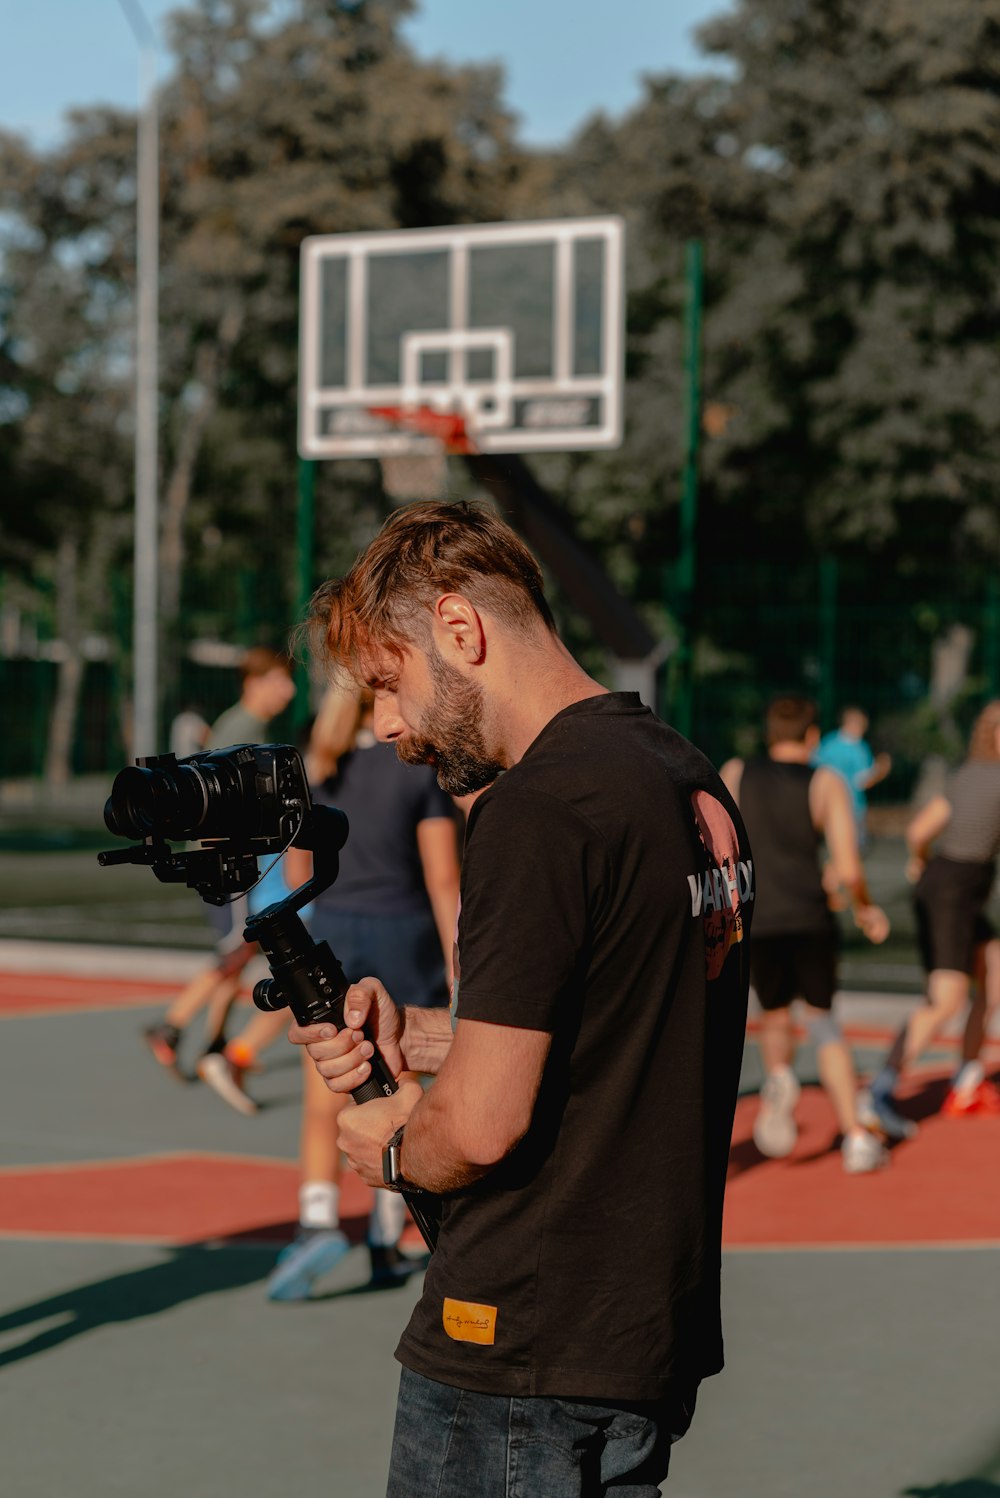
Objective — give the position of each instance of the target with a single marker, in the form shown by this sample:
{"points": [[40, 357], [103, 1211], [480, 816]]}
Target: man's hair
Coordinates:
{"points": [[423, 550], [259, 660], [789, 719]]}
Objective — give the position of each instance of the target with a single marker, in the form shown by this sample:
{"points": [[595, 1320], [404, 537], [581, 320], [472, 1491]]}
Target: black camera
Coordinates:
{"points": [[251, 792], [244, 801]]}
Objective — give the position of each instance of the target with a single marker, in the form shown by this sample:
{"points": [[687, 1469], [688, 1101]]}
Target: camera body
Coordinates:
{"points": [[248, 793], [240, 802]]}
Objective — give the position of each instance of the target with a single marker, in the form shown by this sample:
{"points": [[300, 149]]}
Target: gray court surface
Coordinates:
{"points": [[146, 1373], [150, 1372]]}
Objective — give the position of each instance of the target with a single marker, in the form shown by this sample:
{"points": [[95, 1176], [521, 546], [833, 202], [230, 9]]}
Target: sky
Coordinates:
{"points": [[564, 59]]}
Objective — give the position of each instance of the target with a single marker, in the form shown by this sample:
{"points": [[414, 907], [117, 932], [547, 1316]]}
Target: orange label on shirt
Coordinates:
{"points": [[464, 1321]]}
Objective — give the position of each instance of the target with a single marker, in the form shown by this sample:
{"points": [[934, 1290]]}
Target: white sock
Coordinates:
{"points": [[385, 1225], [319, 1204], [969, 1076]]}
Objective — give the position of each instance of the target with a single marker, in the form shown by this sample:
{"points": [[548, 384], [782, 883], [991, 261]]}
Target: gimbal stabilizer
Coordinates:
{"points": [[308, 979], [248, 801]]}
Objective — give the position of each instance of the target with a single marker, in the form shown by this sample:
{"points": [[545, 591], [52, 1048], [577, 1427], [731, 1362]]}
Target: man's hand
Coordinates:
{"points": [[872, 922], [341, 1055], [363, 1133]]}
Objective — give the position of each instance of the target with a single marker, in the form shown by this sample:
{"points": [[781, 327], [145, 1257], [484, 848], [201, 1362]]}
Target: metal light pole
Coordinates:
{"points": [[306, 545], [145, 617], [686, 575]]}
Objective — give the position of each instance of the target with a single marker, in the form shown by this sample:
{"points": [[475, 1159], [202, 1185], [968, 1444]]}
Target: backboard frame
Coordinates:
{"points": [[487, 405]]}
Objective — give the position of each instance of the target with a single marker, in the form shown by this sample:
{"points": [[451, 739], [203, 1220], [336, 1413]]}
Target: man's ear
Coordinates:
{"points": [[459, 629]]}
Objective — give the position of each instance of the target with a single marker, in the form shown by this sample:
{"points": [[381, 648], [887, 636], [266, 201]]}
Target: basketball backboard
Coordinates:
{"points": [[516, 329]]}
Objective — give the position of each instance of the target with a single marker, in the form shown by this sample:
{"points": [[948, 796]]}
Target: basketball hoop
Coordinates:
{"points": [[422, 473]]}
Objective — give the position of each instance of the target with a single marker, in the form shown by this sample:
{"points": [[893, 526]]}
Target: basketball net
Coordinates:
{"points": [[424, 474]]}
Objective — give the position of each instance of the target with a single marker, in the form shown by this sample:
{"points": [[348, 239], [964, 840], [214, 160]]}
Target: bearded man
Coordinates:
{"points": [[579, 1125]]}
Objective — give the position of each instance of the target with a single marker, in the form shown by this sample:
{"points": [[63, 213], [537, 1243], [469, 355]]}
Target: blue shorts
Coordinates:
{"points": [[402, 951]]}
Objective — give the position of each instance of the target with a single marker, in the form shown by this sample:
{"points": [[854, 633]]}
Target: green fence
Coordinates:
{"points": [[243, 606], [844, 636], [841, 633], [27, 693]]}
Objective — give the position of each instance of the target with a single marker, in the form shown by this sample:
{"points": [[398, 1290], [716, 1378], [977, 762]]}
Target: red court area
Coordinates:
{"points": [[169, 1199], [52, 993], [938, 1189]]}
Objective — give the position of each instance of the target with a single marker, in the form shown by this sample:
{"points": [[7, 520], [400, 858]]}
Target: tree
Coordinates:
{"points": [[842, 174], [368, 137], [64, 394], [272, 128], [879, 123]]}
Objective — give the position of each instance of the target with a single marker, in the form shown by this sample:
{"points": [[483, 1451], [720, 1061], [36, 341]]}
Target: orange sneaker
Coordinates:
{"points": [[983, 1101], [163, 1040], [241, 1055]]}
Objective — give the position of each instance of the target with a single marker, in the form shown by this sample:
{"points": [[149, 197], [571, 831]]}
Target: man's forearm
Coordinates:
{"points": [[431, 1155], [426, 1038], [480, 1107]]}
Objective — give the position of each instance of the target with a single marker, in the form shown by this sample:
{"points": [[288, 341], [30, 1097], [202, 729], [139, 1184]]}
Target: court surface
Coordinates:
{"points": [[139, 1218]]}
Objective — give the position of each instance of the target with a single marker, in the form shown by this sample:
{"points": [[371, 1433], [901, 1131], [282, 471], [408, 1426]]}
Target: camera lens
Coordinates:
{"points": [[233, 807], [144, 802], [242, 795]]}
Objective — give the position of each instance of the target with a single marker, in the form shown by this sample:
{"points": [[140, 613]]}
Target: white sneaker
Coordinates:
{"points": [[862, 1152], [774, 1128], [226, 1079]]}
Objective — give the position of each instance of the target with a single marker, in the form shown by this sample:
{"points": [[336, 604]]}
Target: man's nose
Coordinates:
{"points": [[389, 726]]}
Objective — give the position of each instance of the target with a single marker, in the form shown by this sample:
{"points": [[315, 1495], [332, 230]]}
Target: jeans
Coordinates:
{"points": [[450, 1443]]}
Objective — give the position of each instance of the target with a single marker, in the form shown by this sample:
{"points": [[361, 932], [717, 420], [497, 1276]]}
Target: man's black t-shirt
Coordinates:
{"points": [[606, 894]]}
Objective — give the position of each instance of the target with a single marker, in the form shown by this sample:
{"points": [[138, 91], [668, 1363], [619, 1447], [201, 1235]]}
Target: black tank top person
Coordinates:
{"points": [[774, 800]]}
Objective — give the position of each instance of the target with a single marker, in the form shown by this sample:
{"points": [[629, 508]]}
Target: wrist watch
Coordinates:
{"points": [[392, 1164]]}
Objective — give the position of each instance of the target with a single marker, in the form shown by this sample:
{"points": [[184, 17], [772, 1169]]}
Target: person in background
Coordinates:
{"points": [[791, 809], [189, 733], [848, 751], [266, 690], [392, 909], [957, 942], [242, 1054]]}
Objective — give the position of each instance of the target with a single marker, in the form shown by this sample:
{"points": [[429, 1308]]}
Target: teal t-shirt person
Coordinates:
{"points": [[848, 751]]}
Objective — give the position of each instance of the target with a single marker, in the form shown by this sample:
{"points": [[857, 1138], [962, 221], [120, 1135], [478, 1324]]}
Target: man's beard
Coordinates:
{"points": [[452, 733]]}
